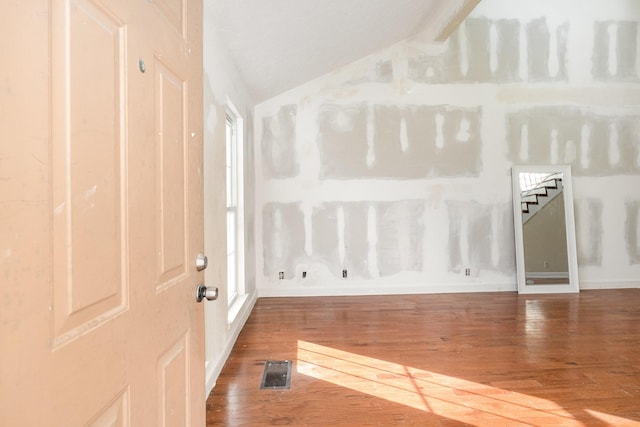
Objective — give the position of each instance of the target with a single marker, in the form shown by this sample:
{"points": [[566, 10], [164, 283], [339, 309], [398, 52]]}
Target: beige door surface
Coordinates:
{"points": [[101, 213]]}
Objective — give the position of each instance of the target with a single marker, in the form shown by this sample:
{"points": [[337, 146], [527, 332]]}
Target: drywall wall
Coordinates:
{"points": [[396, 168], [222, 87]]}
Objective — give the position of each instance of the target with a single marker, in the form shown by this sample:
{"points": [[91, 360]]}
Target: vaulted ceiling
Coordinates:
{"points": [[279, 44]]}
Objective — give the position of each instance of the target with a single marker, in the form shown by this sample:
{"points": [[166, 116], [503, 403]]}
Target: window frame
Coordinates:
{"points": [[234, 195]]}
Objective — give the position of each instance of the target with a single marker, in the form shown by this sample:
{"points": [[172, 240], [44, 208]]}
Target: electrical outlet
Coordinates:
{"points": [[304, 274], [344, 273], [281, 275], [467, 272]]}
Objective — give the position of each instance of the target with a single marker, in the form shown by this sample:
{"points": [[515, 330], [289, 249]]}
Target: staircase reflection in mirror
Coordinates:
{"points": [[545, 237], [543, 228]]}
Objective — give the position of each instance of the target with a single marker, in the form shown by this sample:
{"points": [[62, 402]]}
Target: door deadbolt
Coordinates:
{"points": [[201, 262]]}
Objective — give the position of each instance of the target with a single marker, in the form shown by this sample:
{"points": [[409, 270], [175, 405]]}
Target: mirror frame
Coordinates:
{"points": [[567, 193]]}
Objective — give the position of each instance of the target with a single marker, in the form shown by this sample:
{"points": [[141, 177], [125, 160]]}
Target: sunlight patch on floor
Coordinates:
{"points": [[610, 420], [461, 400]]}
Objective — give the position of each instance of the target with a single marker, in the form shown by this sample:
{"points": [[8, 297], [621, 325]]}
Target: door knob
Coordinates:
{"points": [[202, 292], [201, 262]]}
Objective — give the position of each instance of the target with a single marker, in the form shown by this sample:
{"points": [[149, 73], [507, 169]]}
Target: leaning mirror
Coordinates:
{"points": [[544, 229]]}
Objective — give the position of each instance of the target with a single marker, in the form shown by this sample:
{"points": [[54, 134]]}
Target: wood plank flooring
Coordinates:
{"points": [[482, 359]]}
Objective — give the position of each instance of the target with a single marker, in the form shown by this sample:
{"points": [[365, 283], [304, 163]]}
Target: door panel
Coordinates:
{"points": [[88, 149], [173, 390], [174, 11], [101, 213], [171, 151], [115, 414]]}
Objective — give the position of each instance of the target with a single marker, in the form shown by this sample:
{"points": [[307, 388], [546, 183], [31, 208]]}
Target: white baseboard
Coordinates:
{"points": [[605, 284], [213, 369], [354, 289]]}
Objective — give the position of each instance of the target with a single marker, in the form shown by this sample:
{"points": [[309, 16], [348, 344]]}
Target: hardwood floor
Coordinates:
{"points": [[482, 359]]}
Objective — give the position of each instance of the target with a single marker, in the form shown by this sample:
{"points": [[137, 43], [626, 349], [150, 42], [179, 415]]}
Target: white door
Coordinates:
{"points": [[101, 213]]}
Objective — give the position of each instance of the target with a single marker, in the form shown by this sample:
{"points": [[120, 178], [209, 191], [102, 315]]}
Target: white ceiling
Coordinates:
{"points": [[280, 44]]}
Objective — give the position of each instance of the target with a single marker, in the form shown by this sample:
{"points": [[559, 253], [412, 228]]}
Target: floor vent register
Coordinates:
{"points": [[277, 374]]}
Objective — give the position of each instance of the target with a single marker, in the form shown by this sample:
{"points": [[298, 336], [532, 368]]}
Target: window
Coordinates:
{"points": [[235, 220]]}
